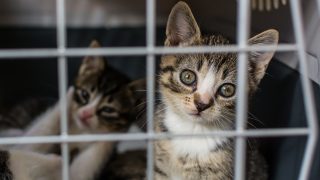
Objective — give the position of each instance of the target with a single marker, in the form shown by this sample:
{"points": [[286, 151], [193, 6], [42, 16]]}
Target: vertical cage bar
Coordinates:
{"points": [[151, 11], [307, 91], [318, 3], [61, 31], [242, 81], [63, 116], [62, 73]]}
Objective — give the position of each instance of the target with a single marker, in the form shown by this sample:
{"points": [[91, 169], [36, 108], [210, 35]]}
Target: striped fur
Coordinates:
{"points": [[101, 101], [200, 107]]}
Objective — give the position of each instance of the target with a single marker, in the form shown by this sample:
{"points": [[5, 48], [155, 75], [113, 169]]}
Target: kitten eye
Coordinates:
{"points": [[108, 110], [188, 77], [85, 95], [227, 90], [82, 96]]}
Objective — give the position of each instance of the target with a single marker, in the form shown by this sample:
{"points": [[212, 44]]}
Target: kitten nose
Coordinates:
{"points": [[202, 106], [86, 114]]}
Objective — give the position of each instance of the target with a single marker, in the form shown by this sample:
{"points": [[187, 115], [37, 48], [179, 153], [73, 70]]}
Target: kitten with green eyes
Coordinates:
{"points": [[199, 95], [102, 100]]}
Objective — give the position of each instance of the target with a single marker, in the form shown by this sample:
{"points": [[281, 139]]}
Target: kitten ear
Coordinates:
{"points": [[182, 28], [94, 44], [92, 64], [259, 61]]}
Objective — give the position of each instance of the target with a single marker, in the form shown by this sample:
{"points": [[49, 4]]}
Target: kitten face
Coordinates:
{"points": [[102, 99], [202, 87]]}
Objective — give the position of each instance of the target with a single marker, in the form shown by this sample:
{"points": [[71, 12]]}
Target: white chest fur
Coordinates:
{"points": [[195, 146]]}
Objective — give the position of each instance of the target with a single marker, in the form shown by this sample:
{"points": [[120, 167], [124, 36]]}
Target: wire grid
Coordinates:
{"points": [[241, 133]]}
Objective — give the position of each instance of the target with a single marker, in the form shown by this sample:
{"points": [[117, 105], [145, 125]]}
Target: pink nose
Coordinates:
{"points": [[86, 114], [206, 98]]}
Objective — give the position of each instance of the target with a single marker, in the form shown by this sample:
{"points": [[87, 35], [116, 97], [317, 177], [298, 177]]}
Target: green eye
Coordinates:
{"points": [[188, 77], [227, 90]]}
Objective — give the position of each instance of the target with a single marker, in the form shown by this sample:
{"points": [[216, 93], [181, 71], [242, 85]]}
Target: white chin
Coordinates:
{"points": [[198, 118], [194, 117]]}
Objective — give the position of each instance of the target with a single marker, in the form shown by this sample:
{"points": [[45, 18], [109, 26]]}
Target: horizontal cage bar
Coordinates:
{"points": [[138, 51], [286, 132]]}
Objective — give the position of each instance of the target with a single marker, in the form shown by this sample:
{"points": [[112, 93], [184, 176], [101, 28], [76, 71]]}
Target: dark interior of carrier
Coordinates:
{"points": [[277, 104]]}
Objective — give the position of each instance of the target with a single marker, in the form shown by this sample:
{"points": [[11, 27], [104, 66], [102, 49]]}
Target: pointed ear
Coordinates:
{"points": [[260, 60], [182, 28], [92, 64]]}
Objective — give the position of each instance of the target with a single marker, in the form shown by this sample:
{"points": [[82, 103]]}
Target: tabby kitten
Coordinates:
{"points": [[199, 95], [100, 102]]}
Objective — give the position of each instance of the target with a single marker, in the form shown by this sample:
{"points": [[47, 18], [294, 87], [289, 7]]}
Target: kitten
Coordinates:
{"points": [[101, 101], [198, 93]]}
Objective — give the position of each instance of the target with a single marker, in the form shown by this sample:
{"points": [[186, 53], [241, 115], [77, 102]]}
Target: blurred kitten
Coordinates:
{"points": [[102, 100]]}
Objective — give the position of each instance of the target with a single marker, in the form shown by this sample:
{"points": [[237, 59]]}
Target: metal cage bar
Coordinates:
{"points": [[151, 11], [318, 3], [243, 31], [241, 133], [283, 132], [62, 73], [138, 51], [307, 90]]}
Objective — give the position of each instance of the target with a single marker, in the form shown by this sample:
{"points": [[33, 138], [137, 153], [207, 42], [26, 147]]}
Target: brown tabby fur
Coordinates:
{"points": [[182, 159]]}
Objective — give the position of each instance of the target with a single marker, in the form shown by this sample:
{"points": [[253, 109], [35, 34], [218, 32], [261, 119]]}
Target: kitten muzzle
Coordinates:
{"points": [[202, 106]]}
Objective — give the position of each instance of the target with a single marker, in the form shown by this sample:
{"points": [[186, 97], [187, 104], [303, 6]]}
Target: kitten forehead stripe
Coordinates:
{"points": [[225, 73], [221, 63], [200, 64], [179, 59], [168, 69]]}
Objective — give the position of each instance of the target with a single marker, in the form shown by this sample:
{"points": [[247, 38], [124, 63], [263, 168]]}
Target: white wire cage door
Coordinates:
{"points": [[242, 48]]}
